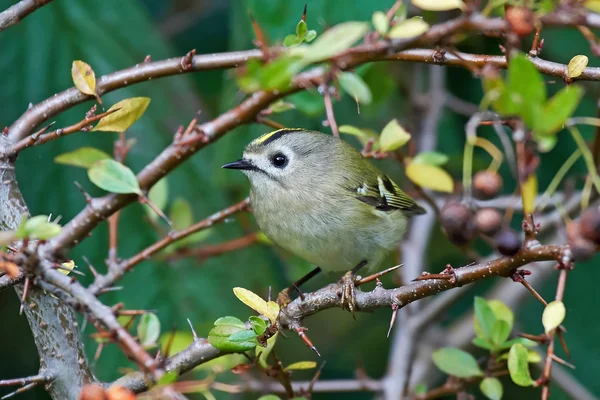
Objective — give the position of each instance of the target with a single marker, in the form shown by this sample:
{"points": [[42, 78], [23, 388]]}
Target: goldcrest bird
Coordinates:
{"points": [[316, 196]]}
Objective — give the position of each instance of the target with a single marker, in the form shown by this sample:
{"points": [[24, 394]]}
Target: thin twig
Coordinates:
{"points": [[39, 138], [104, 281]]}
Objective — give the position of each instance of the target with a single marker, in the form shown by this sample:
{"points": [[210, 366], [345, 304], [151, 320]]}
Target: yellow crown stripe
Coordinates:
{"points": [[266, 136]]}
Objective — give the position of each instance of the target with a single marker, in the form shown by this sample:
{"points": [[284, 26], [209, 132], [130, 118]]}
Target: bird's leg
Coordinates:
{"points": [[283, 298], [348, 282]]}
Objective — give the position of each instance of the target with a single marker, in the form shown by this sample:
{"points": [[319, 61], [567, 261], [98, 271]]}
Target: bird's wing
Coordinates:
{"points": [[384, 195]]}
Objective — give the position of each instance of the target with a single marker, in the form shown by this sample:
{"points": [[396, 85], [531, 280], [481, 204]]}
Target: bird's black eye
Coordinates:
{"points": [[279, 160]]}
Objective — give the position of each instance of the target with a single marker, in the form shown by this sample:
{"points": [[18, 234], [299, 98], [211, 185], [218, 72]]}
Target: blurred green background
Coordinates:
{"points": [[35, 63]]}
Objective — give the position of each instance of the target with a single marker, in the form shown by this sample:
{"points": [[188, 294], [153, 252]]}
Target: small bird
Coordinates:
{"points": [[316, 196]]}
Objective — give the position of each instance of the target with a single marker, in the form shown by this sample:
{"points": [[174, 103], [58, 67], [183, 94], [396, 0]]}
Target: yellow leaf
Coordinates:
{"points": [[301, 365], [256, 303], [273, 309], [393, 136], [430, 177], [130, 110], [407, 29], [553, 316], [529, 191], [67, 267], [439, 5], [593, 5], [84, 77], [577, 66]]}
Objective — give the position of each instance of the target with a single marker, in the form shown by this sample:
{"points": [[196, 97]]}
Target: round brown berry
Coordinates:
{"points": [[488, 221], [458, 223], [487, 184]]}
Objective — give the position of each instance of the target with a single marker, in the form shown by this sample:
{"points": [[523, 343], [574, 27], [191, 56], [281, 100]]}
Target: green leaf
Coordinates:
{"points": [[430, 177], [278, 74], [545, 143], [158, 195], [483, 343], [577, 66], [363, 135], [148, 330], [408, 29], [456, 362], [244, 336], [485, 317], [281, 106], [526, 85], [500, 332], [518, 367], [225, 327], [130, 110], [431, 158], [249, 82], [496, 94], [114, 177], [310, 36], [291, 41], [519, 340], [258, 324], [439, 5], [269, 397], [355, 87], [393, 136], [380, 22], [554, 314], [533, 357], [263, 352], [39, 227], [501, 312], [301, 365], [222, 342], [335, 40], [230, 321], [181, 214], [558, 110], [301, 29], [491, 388], [168, 378], [83, 157]]}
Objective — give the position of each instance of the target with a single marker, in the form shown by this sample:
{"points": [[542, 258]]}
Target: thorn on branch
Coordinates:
{"points": [[448, 274], [192, 329], [187, 60], [260, 38], [395, 308], [300, 330], [377, 275]]}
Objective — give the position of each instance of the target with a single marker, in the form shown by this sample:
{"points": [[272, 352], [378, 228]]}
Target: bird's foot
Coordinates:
{"points": [[348, 282]]}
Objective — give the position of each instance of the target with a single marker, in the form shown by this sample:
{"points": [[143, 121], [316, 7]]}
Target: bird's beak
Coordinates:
{"points": [[243, 164]]}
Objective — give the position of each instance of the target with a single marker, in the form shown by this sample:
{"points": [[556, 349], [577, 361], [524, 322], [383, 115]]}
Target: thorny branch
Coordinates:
{"points": [[292, 316]]}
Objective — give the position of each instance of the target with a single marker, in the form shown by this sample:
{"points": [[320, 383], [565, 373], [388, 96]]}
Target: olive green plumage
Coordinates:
{"points": [[319, 198]]}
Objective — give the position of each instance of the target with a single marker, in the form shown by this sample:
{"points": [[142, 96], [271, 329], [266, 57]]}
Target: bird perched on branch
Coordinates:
{"points": [[316, 196]]}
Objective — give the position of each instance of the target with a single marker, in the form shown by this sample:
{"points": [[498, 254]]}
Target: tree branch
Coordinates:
{"points": [[142, 72], [14, 14], [327, 297]]}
